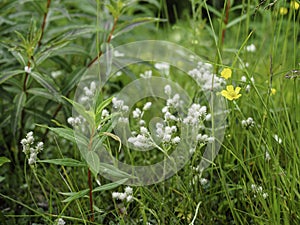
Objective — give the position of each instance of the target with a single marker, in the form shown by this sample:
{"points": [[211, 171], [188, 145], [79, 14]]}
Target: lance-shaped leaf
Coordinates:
{"points": [[19, 103], [9, 74], [64, 162], [93, 162]]}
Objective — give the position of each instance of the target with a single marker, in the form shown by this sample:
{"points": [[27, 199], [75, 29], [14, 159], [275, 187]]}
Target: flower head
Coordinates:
{"points": [[273, 91], [230, 93], [294, 5], [226, 73], [283, 11]]}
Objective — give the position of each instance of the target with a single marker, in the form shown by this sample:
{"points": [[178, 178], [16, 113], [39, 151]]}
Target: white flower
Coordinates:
{"points": [[27, 69], [210, 139], [39, 147], [203, 181], [147, 74], [147, 106], [104, 113], [128, 190], [267, 156], [265, 195], [122, 196], [129, 198], [278, 139], [60, 221], [123, 120], [243, 79], [118, 54], [176, 140], [115, 195], [168, 90], [136, 113], [195, 113], [248, 88], [251, 48], [248, 123], [202, 137], [164, 67]]}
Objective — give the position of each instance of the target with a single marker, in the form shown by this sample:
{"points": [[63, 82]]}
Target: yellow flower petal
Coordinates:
{"points": [[229, 88], [230, 93], [294, 5], [283, 11], [226, 73]]}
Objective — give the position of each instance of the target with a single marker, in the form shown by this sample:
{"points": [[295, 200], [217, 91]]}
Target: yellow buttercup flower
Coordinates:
{"points": [[230, 93], [273, 91], [294, 5], [226, 73], [283, 11]]}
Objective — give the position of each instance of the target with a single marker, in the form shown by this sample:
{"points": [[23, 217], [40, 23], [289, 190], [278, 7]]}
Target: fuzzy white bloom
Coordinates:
{"points": [[195, 113], [122, 196], [129, 198], [147, 106], [118, 104], [147, 74], [168, 89], [27, 69], [123, 120], [143, 130], [252, 80], [277, 138], [142, 123], [136, 113], [265, 195], [104, 113], [248, 88], [202, 137], [210, 139], [175, 101], [248, 123], [203, 181], [74, 121], [208, 117], [118, 54], [60, 221], [250, 48], [115, 195], [243, 79], [140, 141], [128, 190], [267, 156], [176, 140], [163, 67], [39, 147]]}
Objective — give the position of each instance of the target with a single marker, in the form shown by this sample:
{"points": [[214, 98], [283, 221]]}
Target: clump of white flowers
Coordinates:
{"points": [[122, 196], [146, 74], [247, 82], [30, 151], [60, 221], [250, 48], [163, 67], [258, 191], [248, 123], [204, 77], [27, 69], [88, 93]]}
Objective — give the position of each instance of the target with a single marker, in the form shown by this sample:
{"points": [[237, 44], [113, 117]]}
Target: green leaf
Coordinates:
{"points": [[42, 93], [19, 103], [128, 26], [64, 162], [110, 186], [235, 21], [93, 162], [2, 179], [68, 134], [74, 195], [46, 82], [9, 74], [88, 115], [113, 171], [3, 160]]}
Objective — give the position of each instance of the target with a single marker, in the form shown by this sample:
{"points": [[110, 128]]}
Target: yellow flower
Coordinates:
{"points": [[230, 93], [294, 5], [273, 91], [226, 73], [283, 11]]}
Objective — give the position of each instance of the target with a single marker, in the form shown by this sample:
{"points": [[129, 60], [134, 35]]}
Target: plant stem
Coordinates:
{"points": [[44, 23], [91, 195], [225, 20]]}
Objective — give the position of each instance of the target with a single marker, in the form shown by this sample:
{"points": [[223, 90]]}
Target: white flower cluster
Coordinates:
{"points": [[126, 195], [204, 138], [258, 190], [267, 156], [75, 121], [119, 105], [89, 92], [31, 152], [27, 69], [248, 123], [165, 133], [142, 140], [60, 221], [204, 77], [196, 113], [163, 67], [147, 74], [250, 48]]}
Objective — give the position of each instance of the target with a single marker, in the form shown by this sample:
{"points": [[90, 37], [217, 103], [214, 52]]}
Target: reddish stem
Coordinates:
{"points": [[226, 20], [92, 219], [44, 23]]}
